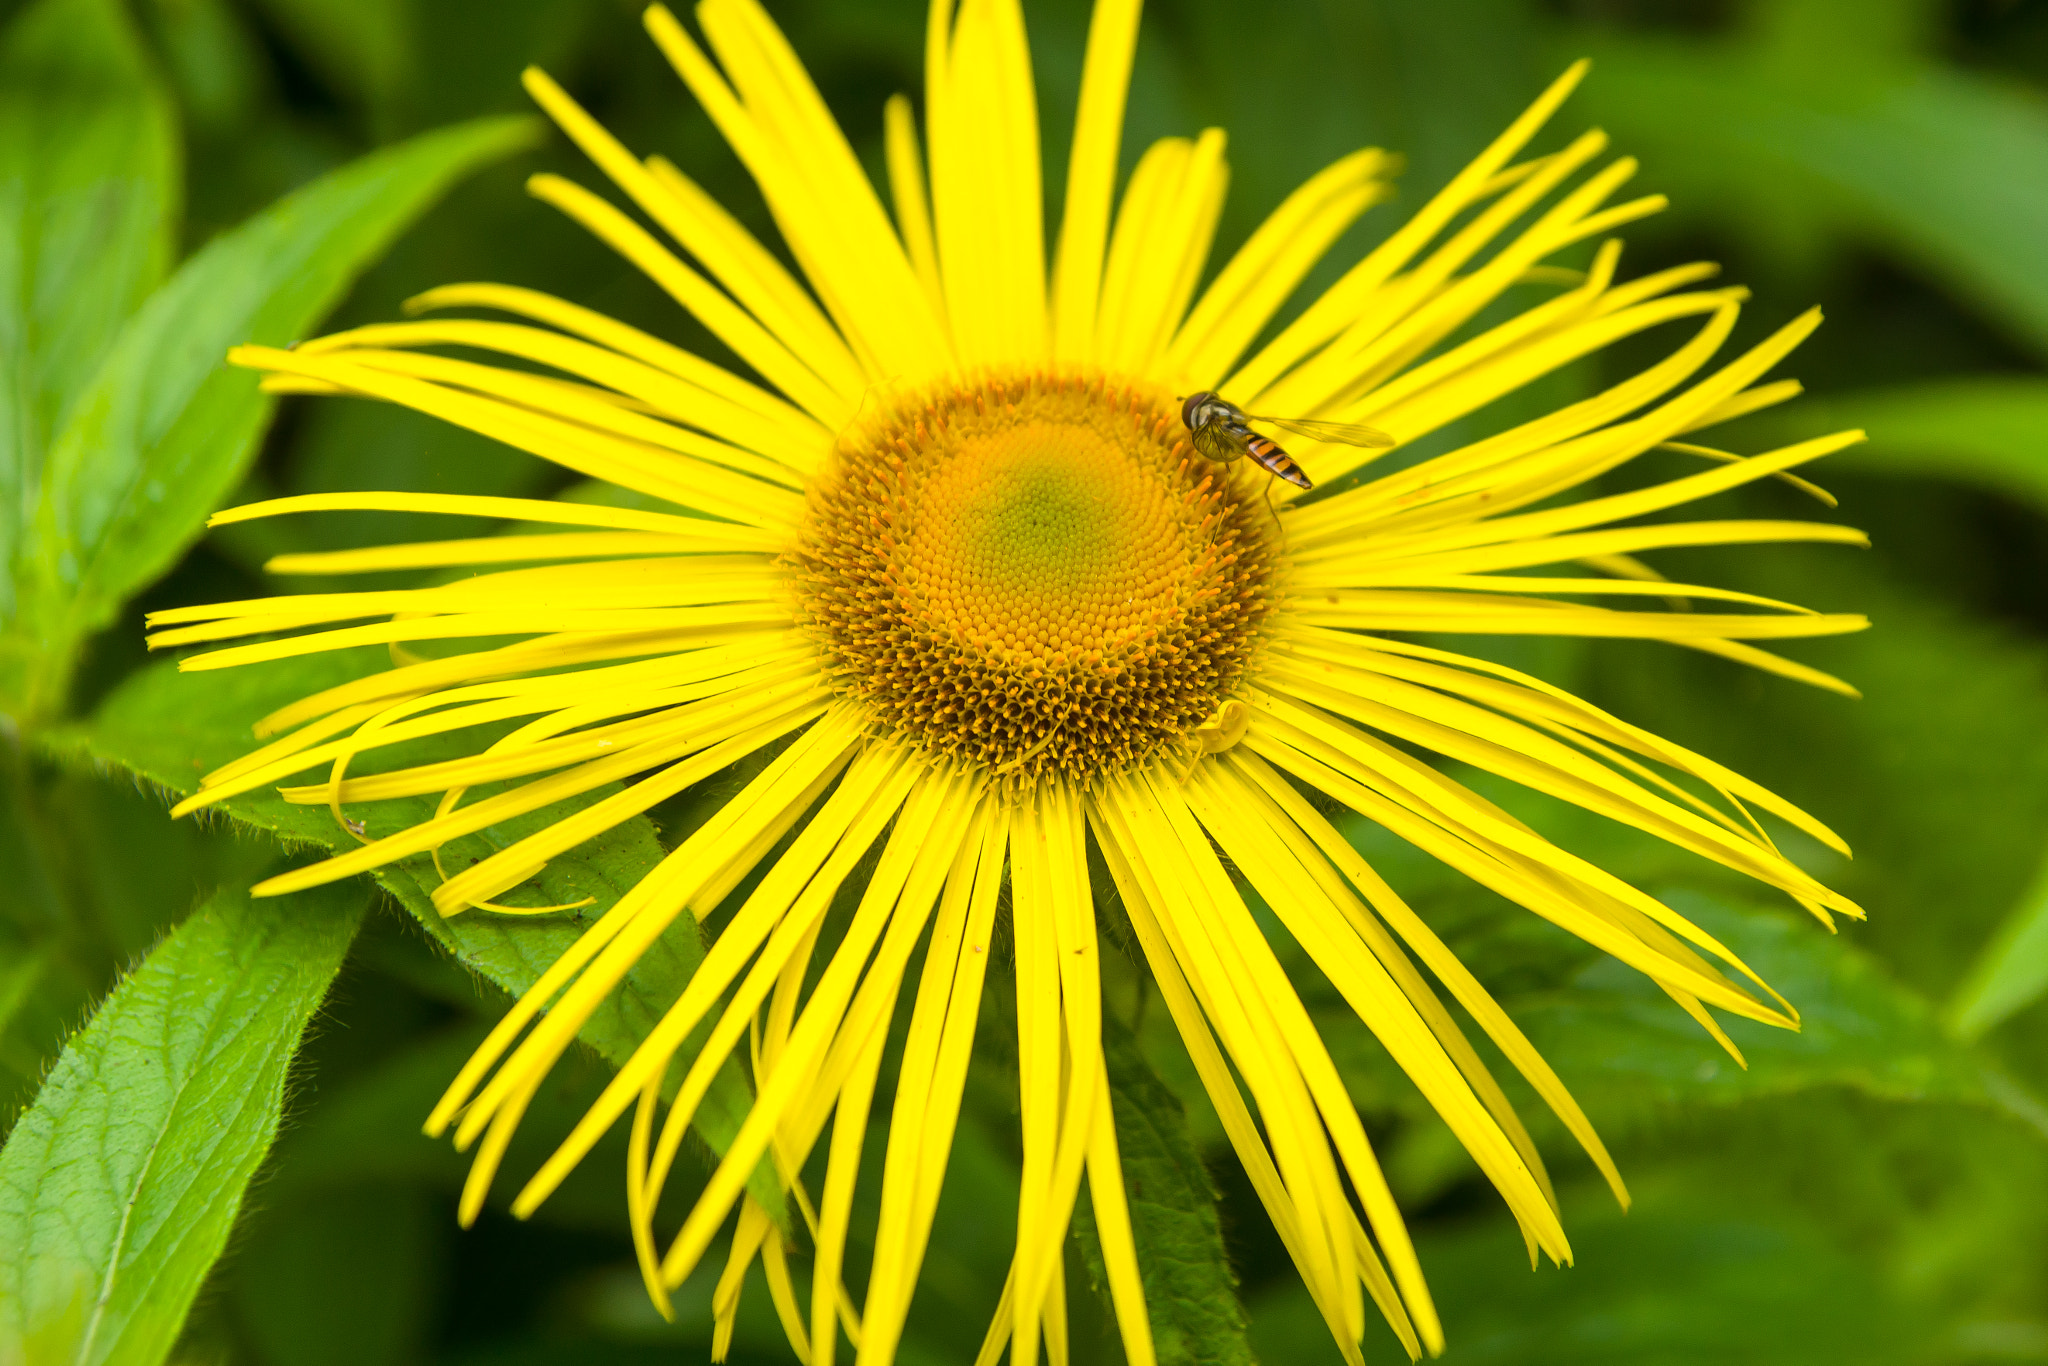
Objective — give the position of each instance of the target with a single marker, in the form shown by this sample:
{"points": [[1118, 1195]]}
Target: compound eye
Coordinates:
{"points": [[1190, 405]]}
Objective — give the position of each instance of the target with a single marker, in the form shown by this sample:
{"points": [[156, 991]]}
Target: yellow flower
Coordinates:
{"points": [[953, 558]]}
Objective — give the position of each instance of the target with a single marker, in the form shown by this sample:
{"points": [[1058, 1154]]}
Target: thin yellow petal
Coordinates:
{"points": [[928, 1088], [582, 405], [907, 189], [1091, 178], [616, 336], [1113, 1228], [986, 198], [838, 835], [909, 866], [1140, 893], [703, 228], [471, 505], [507, 550], [726, 320], [632, 464], [777, 123], [849, 1131], [1161, 243], [1264, 272], [1304, 819], [1332, 312], [645, 910]]}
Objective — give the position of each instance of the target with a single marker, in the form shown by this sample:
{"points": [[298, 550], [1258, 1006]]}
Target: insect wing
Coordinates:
{"points": [[1217, 444], [1342, 433]]}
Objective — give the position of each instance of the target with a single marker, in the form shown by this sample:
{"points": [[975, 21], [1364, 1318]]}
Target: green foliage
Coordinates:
{"points": [[172, 727], [163, 432], [1677, 1284], [368, 49], [97, 876], [1628, 1053], [159, 431], [1990, 432], [1870, 142], [2012, 973], [1680, 1285], [89, 182], [118, 1189], [1190, 1289]]}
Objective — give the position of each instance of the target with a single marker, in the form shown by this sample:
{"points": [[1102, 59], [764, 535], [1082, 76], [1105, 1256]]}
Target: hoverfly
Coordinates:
{"points": [[1222, 433]]}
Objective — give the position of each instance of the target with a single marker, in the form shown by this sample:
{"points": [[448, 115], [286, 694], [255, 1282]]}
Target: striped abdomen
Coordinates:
{"points": [[1274, 460]]}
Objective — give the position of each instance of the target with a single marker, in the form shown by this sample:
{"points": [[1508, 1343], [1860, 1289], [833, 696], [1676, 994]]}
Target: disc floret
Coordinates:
{"points": [[1034, 572]]}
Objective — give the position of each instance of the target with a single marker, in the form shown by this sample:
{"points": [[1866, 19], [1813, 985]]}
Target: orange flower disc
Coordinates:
{"points": [[1035, 572]]}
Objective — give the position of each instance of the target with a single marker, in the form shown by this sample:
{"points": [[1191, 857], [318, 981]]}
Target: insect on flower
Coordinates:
{"points": [[1222, 433]]}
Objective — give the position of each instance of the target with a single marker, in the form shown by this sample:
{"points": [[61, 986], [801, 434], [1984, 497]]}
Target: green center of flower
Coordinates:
{"points": [[1033, 512], [1035, 573]]}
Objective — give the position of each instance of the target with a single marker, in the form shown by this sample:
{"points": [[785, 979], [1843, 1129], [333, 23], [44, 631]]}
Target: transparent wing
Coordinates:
{"points": [[1343, 433], [1217, 444]]}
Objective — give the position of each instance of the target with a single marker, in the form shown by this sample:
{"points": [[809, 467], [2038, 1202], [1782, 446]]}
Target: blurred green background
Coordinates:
{"points": [[1873, 1190]]}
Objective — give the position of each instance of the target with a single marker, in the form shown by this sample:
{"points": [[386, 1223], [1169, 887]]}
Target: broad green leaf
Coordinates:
{"points": [[1190, 1290], [2012, 973], [582, 1350], [1692, 1284], [88, 201], [1931, 162], [1622, 1046], [1990, 432], [347, 446], [1626, 1051], [117, 1189], [171, 728], [95, 877], [130, 875], [1937, 777], [165, 428]]}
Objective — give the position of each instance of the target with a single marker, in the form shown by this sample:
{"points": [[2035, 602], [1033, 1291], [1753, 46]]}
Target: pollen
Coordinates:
{"points": [[1034, 572]]}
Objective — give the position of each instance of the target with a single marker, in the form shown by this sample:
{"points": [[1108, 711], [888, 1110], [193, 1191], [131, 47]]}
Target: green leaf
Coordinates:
{"points": [[1931, 161], [1800, 147], [1937, 778], [1190, 1290], [171, 728], [117, 1189], [88, 200], [95, 877], [166, 429], [1992, 433], [1693, 1285], [2012, 973], [1626, 1051], [360, 445]]}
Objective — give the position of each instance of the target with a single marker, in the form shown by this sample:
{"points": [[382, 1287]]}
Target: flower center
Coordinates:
{"points": [[1034, 572]]}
